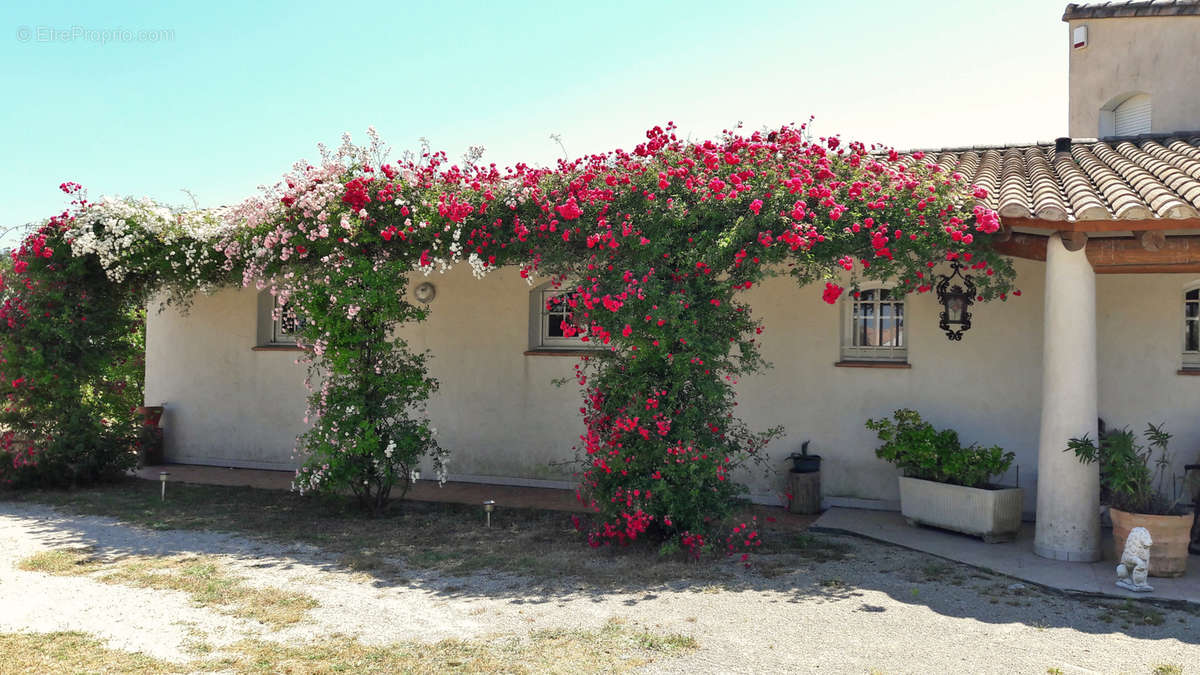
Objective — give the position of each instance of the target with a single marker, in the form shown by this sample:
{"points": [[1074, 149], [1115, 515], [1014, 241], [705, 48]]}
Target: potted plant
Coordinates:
{"points": [[150, 438], [1141, 496], [945, 484]]}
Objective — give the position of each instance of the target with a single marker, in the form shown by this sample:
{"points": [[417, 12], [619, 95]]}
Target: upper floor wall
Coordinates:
{"points": [[1150, 57]]}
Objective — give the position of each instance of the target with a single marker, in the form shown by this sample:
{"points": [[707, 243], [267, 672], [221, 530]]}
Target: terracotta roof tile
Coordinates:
{"points": [[1137, 178], [1110, 10]]}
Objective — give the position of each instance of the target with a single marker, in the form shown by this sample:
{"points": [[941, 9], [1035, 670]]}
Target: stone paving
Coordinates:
{"points": [[1015, 559]]}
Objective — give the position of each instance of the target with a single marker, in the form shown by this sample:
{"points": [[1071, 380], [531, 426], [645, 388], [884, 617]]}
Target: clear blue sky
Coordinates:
{"points": [[239, 91]]}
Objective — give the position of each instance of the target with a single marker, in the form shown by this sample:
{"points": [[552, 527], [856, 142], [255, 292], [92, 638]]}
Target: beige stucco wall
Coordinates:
{"points": [[225, 404], [1155, 55], [1140, 337], [501, 416], [986, 386], [497, 410]]}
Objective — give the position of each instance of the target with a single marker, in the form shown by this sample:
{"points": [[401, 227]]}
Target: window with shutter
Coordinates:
{"points": [[1132, 117]]}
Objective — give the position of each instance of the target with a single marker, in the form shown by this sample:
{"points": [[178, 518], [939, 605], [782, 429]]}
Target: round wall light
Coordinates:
{"points": [[425, 292]]}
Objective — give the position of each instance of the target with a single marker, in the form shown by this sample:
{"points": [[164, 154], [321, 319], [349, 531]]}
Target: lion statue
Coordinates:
{"points": [[1135, 561]]}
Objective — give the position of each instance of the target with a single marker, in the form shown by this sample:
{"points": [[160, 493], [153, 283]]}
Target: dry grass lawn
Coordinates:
{"points": [[204, 578], [615, 648], [449, 538]]}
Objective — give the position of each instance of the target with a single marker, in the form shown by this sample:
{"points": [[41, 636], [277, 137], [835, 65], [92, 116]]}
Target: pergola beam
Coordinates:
{"points": [[1117, 255], [1146, 225]]}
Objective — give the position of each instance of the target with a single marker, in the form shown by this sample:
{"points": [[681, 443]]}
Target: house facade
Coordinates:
{"points": [[1105, 238]]}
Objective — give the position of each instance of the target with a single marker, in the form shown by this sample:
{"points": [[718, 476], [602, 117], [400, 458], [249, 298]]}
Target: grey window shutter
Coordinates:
{"points": [[1133, 116]]}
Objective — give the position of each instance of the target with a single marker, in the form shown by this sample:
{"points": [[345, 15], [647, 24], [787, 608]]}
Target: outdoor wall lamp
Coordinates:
{"points": [[489, 506], [425, 292], [956, 299]]}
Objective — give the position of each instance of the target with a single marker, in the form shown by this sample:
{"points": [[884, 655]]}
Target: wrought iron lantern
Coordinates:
{"points": [[956, 298]]}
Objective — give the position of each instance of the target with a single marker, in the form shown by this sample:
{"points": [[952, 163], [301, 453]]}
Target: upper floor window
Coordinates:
{"points": [[286, 325], [1126, 115], [277, 327], [1191, 328], [873, 326], [552, 321]]}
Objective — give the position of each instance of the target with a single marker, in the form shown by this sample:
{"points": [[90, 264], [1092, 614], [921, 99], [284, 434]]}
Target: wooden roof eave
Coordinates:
{"points": [[1145, 253], [1109, 225]]}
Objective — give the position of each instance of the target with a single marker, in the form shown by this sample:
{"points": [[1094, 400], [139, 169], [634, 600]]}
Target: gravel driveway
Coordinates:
{"points": [[877, 609]]}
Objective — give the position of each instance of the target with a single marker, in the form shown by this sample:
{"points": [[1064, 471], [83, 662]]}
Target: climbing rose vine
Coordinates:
{"points": [[652, 249], [367, 432], [306, 242], [72, 333]]}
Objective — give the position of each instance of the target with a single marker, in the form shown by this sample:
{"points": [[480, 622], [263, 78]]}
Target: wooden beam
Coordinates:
{"points": [[1122, 252], [1117, 255], [1028, 246], [1151, 240], [1074, 241], [1149, 269], [1152, 224]]}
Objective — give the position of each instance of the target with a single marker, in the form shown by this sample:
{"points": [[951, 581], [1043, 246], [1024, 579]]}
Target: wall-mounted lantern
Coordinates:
{"points": [[956, 299]]}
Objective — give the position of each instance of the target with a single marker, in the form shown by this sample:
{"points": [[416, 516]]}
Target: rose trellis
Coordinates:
{"points": [[652, 249]]}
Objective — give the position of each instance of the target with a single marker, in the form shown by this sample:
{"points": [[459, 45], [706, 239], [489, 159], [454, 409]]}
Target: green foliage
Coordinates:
{"points": [[73, 381], [654, 249], [368, 434], [1126, 480], [924, 452]]}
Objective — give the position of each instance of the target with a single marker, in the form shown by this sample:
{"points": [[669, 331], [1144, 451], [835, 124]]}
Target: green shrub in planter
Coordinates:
{"points": [[1126, 479], [924, 452]]}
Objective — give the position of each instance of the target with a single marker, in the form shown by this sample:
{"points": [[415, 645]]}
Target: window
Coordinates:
{"points": [[548, 311], [1126, 115], [277, 327], [1191, 329], [873, 328], [285, 326]]}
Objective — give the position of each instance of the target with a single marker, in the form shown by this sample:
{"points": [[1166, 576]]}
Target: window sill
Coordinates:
{"points": [[886, 365], [1188, 371], [562, 352], [276, 348]]}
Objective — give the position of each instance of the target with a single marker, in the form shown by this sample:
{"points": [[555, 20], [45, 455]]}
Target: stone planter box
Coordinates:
{"points": [[1169, 552], [994, 515]]}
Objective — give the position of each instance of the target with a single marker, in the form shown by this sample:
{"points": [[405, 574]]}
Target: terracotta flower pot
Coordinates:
{"points": [[1169, 553], [151, 413]]}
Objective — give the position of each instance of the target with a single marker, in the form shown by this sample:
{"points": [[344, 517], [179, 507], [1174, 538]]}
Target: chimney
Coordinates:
{"points": [[1062, 145]]}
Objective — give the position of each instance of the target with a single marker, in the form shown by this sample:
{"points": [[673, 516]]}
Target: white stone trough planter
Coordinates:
{"points": [[994, 515]]}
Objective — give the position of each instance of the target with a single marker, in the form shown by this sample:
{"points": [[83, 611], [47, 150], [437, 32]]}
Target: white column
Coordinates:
{"points": [[1068, 492]]}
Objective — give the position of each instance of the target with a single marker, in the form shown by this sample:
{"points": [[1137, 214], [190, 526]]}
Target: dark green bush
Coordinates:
{"points": [[923, 452], [1126, 480]]}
